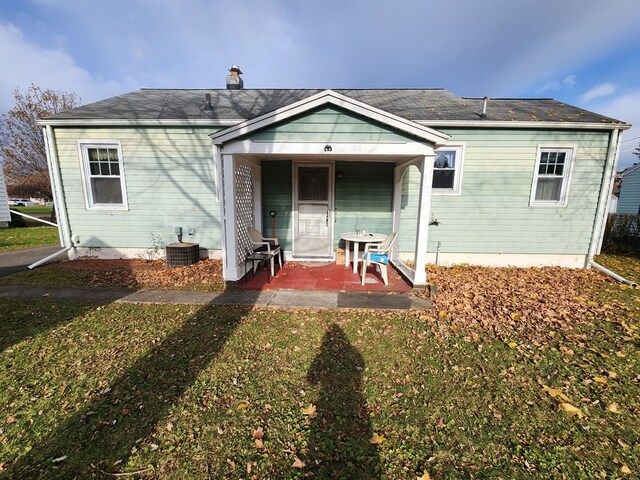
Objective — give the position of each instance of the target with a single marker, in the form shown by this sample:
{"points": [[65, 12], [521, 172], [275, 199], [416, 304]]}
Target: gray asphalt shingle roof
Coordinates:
{"points": [[412, 104]]}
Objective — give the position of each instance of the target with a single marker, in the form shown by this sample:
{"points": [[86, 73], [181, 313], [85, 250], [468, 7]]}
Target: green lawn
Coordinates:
{"points": [[222, 392], [28, 237], [36, 210]]}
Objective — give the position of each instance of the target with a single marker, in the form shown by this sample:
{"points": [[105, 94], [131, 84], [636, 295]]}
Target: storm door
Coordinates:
{"points": [[313, 210]]}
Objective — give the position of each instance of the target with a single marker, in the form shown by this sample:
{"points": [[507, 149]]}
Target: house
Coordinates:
{"points": [[629, 201], [486, 181], [5, 215]]}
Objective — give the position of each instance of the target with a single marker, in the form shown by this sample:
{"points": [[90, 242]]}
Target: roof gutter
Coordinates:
{"points": [[121, 122], [524, 124]]}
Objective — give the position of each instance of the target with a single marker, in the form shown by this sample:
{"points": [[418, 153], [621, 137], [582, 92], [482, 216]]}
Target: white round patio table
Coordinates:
{"points": [[353, 237]]}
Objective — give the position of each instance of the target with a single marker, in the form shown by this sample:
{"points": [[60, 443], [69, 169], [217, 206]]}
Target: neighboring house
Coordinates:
{"points": [[5, 215], [629, 201], [496, 182]]}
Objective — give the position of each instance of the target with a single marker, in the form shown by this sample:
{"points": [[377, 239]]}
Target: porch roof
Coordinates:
{"points": [[325, 98]]}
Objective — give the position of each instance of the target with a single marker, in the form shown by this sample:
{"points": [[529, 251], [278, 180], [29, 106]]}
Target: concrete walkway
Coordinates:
{"points": [[18, 260], [278, 298]]}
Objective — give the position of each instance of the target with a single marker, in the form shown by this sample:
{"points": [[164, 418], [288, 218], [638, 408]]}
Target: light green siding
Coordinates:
{"points": [[169, 182], [329, 125], [277, 195], [492, 213], [364, 197], [629, 201]]}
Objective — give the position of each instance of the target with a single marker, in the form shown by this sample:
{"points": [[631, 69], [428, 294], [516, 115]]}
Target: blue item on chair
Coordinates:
{"points": [[378, 257]]}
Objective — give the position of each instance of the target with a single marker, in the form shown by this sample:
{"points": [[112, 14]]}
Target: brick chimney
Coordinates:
{"points": [[234, 80]]}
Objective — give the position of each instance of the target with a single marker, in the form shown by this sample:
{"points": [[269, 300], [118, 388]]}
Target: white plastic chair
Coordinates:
{"points": [[263, 244], [380, 256]]}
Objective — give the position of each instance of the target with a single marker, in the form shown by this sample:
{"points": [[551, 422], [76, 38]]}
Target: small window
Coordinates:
{"points": [[103, 175], [551, 178], [447, 170]]}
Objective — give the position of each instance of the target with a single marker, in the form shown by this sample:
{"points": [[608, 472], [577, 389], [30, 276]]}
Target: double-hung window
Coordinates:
{"points": [[551, 178], [103, 175], [447, 169]]}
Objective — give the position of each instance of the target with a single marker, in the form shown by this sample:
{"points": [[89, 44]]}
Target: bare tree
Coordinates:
{"points": [[21, 142]]}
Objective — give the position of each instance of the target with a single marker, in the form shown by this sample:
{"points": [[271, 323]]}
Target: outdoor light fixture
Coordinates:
{"points": [[327, 148], [339, 174]]}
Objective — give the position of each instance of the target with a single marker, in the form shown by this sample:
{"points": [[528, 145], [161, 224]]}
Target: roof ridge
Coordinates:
{"points": [[303, 89]]}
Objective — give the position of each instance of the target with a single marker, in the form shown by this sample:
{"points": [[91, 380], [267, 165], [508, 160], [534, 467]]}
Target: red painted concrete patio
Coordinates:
{"points": [[324, 276]]}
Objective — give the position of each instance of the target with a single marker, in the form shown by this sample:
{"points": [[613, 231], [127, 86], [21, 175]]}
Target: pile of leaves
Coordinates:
{"points": [[127, 273], [508, 302]]}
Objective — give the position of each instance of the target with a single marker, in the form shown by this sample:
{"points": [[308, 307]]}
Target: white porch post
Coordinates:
{"points": [[422, 230], [397, 207], [230, 254]]}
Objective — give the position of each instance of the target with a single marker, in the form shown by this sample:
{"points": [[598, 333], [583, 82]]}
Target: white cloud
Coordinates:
{"points": [[553, 86], [28, 63], [601, 90]]}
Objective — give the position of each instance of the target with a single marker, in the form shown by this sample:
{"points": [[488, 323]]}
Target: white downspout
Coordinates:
{"points": [[605, 194], [50, 257], [619, 278], [56, 184]]}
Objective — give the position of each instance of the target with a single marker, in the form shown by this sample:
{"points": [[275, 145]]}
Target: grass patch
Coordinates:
{"points": [[35, 210], [627, 265], [191, 392], [28, 237]]}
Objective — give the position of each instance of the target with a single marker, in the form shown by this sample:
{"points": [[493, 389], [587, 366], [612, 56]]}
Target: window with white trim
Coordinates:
{"points": [[447, 170], [551, 178], [103, 175]]}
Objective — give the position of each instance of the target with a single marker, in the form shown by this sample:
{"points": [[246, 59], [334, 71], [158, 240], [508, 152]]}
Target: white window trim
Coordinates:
{"points": [[83, 145], [459, 147], [566, 182]]}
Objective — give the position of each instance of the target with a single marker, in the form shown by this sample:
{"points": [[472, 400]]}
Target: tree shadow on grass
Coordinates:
{"points": [[339, 445], [24, 319], [107, 429]]}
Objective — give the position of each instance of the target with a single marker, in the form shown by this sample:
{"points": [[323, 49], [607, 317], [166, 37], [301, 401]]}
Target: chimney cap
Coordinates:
{"points": [[235, 68]]}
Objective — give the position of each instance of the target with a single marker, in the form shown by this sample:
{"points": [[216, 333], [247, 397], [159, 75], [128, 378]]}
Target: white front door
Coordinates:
{"points": [[313, 210]]}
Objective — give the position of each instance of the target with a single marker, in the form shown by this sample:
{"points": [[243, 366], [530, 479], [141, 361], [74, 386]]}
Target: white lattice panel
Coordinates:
{"points": [[244, 210]]}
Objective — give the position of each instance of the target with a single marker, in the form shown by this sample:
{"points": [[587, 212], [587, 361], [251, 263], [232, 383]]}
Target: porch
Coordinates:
{"points": [[324, 276], [325, 166]]}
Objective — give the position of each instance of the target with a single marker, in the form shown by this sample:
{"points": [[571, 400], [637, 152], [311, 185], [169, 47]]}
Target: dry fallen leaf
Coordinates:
{"points": [[243, 405], [310, 411], [259, 443], [626, 470], [613, 408], [622, 444], [555, 393], [571, 410], [258, 434], [512, 344], [425, 476], [376, 439], [297, 463], [600, 380]]}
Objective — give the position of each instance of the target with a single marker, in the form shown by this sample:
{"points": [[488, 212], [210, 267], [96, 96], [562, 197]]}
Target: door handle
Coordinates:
{"points": [[327, 219]]}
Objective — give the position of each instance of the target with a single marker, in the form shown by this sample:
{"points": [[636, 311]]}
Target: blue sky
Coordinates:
{"points": [[583, 52]]}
